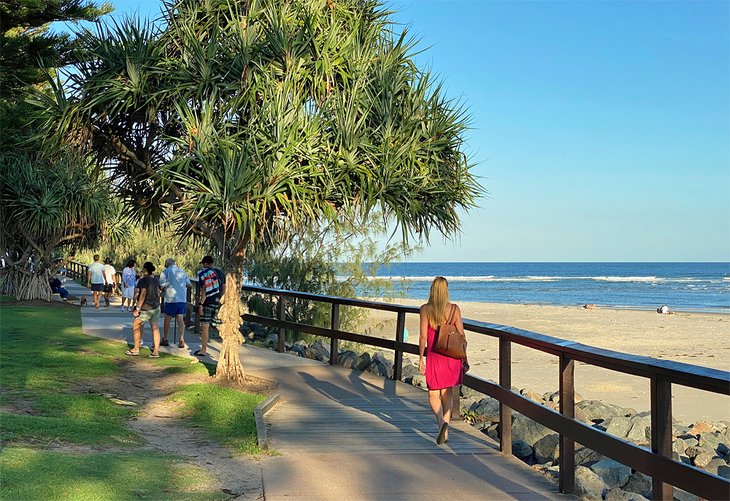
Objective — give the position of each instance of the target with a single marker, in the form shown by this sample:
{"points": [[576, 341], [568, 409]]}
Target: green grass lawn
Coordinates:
{"points": [[44, 361]]}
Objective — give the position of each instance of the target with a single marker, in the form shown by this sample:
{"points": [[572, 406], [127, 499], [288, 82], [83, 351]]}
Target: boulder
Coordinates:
{"points": [[363, 361], [640, 432], [271, 340], [381, 366], [521, 449], [409, 370], [487, 409], [613, 473], [617, 494], [318, 351], [640, 484], [594, 410], [702, 427], [618, 426], [528, 393], [546, 449], [347, 359], [585, 456], [299, 347], [714, 466], [724, 472], [524, 428], [697, 450], [419, 381], [679, 446], [554, 396], [711, 439], [702, 459], [681, 495], [588, 485]]}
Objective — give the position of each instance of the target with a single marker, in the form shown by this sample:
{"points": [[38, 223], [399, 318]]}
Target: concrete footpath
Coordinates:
{"points": [[350, 435]]}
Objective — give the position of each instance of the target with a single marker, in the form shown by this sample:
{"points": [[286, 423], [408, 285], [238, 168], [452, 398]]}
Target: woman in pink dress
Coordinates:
{"points": [[442, 372]]}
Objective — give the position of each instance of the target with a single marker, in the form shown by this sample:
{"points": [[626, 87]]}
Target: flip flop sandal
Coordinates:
{"points": [[131, 353], [152, 355], [198, 354]]}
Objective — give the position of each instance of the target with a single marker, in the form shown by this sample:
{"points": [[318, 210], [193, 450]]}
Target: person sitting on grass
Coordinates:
{"points": [[147, 309]]}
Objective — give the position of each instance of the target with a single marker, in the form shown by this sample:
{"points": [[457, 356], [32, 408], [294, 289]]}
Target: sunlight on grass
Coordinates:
{"points": [[29, 474], [225, 414], [52, 429]]}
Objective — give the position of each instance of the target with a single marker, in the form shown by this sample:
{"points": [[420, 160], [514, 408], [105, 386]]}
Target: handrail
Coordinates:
{"points": [[657, 462]]}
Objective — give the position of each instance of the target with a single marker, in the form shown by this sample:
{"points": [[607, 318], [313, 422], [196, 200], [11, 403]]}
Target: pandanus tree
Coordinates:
{"points": [[244, 120]]}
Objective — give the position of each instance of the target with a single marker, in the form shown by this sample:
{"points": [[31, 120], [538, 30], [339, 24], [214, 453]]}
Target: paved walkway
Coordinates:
{"points": [[350, 435]]}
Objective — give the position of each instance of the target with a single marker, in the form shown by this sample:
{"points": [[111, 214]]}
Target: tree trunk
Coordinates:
{"points": [[26, 285], [230, 368]]}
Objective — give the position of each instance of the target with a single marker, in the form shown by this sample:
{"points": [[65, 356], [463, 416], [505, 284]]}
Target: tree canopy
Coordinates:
{"points": [[244, 120]]}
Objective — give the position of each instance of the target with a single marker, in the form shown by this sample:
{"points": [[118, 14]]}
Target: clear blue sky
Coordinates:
{"points": [[601, 130]]}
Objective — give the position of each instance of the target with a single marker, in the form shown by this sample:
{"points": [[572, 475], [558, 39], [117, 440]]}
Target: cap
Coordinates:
{"points": [[207, 259]]}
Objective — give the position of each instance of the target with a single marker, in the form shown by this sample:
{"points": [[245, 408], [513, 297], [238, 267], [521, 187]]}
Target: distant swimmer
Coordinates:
{"points": [[664, 310], [590, 306]]}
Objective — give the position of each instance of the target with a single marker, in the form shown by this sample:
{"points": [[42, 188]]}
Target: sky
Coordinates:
{"points": [[599, 129]]}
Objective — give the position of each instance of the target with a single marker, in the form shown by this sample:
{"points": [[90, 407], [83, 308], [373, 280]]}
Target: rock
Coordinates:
{"points": [[470, 393], [318, 351], [409, 370], [640, 484], [724, 472], [524, 428], [714, 466], [679, 446], [618, 426], [701, 427], [381, 366], [299, 347], [521, 449], [640, 432], [419, 381], [528, 393], [364, 361], [594, 410], [711, 439], [347, 359], [585, 456], [588, 485], [555, 397], [702, 459], [493, 432], [613, 473], [681, 495], [723, 449], [690, 441], [487, 409], [681, 458], [617, 494], [553, 471], [271, 340], [696, 450], [546, 449]]}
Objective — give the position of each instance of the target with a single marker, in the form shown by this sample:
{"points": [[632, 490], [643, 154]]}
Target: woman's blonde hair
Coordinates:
{"points": [[438, 299]]}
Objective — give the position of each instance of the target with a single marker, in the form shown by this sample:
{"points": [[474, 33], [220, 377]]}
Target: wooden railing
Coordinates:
{"points": [[661, 375]]}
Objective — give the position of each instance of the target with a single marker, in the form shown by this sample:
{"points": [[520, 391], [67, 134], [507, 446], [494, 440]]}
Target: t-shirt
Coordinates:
{"points": [[128, 277], [110, 274], [175, 282], [97, 272], [152, 286], [211, 280]]}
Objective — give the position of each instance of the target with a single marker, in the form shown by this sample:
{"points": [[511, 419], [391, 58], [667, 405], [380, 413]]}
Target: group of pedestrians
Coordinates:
{"points": [[143, 295]]}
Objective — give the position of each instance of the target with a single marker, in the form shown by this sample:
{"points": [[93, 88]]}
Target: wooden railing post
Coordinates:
{"points": [[335, 326], [281, 314], [400, 328], [567, 409], [505, 381], [661, 431]]}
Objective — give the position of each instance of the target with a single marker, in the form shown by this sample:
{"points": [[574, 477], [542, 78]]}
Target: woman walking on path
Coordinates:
{"points": [[442, 372], [129, 278], [147, 309]]}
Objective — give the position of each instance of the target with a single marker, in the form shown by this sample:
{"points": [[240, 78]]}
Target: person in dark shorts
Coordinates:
{"points": [[211, 284], [95, 280], [147, 309], [175, 283]]}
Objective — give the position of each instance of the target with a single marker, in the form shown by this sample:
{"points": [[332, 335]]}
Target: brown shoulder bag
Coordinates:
{"points": [[449, 341]]}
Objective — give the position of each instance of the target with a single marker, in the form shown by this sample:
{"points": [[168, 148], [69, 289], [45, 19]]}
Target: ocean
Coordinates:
{"points": [[697, 287]]}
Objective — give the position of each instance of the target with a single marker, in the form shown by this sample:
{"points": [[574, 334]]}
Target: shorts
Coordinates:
{"points": [[210, 314], [97, 287], [172, 309], [150, 315], [128, 292], [108, 288]]}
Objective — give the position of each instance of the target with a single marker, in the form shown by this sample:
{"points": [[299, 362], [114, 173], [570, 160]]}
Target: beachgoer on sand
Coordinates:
{"points": [[664, 310], [442, 372]]}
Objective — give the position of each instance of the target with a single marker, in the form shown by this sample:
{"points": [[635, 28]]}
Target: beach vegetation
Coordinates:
{"points": [[243, 122]]}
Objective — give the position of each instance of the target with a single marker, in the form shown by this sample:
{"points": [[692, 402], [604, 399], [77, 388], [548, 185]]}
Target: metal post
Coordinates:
{"points": [[567, 409], [505, 381], [400, 328], [281, 314], [335, 326], [661, 431]]}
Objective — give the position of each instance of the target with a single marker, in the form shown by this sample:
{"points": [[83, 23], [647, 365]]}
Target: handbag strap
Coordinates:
{"points": [[451, 315]]}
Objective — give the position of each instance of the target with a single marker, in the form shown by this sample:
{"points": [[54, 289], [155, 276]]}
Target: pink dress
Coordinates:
{"points": [[441, 371]]}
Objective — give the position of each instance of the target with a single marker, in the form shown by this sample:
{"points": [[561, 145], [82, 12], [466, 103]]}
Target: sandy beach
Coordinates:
{"points": [[694, 338]]}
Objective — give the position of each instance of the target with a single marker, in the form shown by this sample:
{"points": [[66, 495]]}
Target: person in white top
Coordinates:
{"points": [[110, 279], [174, 283], [95, 279], [129, 279]]}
